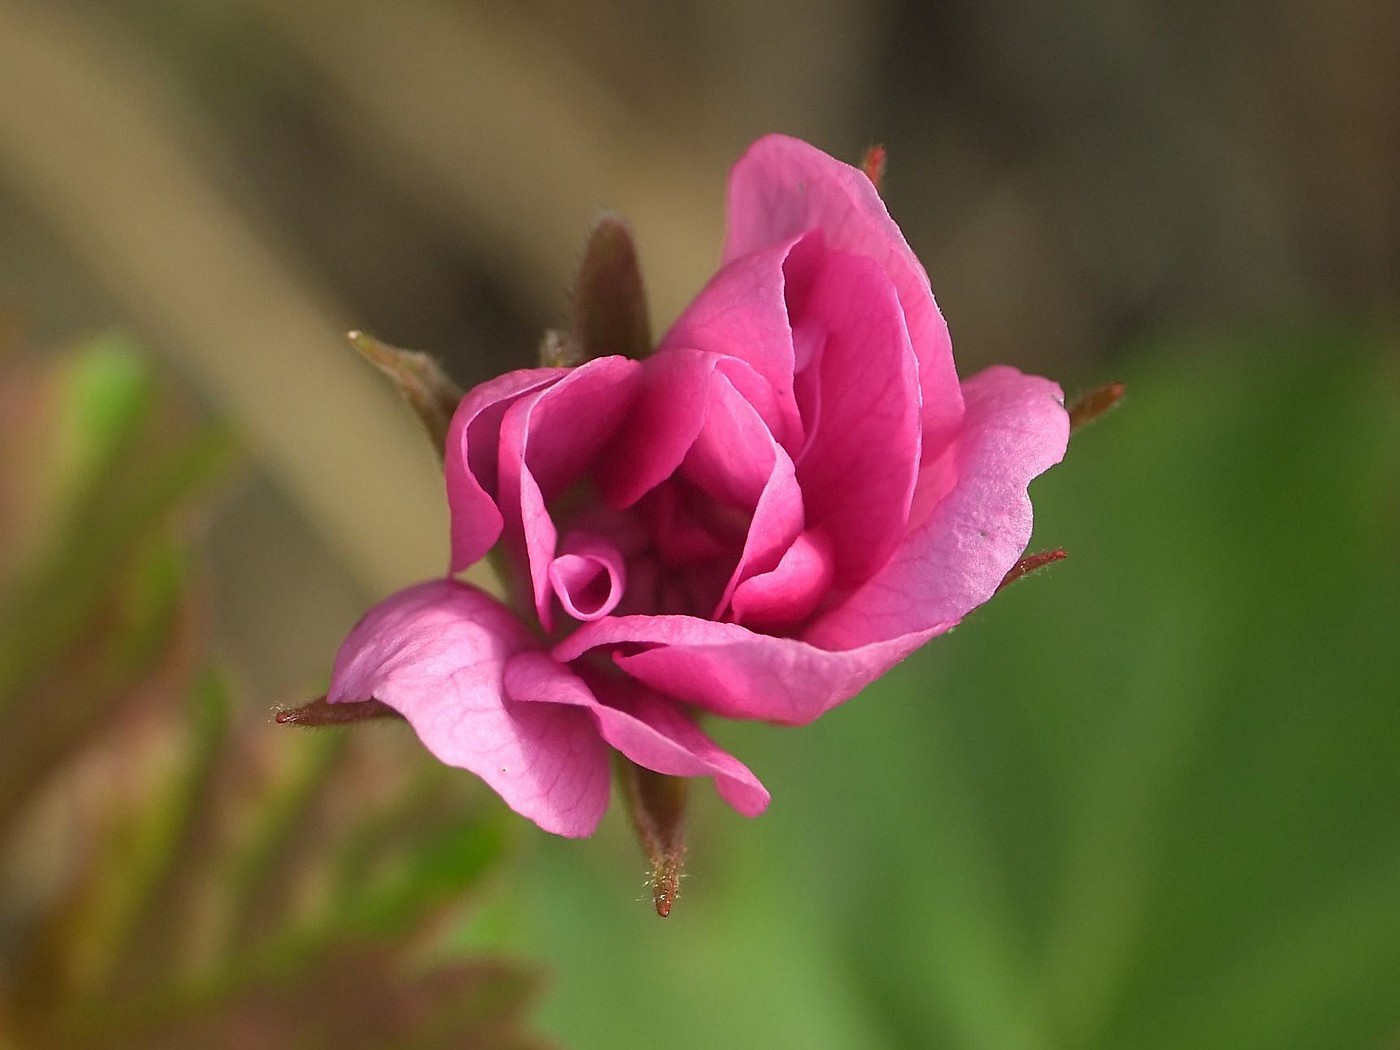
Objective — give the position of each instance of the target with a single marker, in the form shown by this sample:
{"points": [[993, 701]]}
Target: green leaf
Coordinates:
{"points": [[130, 483], [230, 877]]}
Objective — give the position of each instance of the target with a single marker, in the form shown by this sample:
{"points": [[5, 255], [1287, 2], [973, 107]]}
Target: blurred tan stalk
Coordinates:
{"points": [[108, 156], [509, 140]]}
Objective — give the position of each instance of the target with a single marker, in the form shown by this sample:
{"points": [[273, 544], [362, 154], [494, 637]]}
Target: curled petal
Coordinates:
{"points": [[436, 653], [470, 465], [548, 440], [695, 419], [650, 730], [732, 457], [661, 427], [671, 410], [589, 576], [956, 558]]}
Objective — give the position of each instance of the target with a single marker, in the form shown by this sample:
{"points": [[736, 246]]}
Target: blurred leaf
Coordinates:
{"points": [[320, 956], [115, 474], [46, 612], [229, 884], [360, 996], [65, 422], [94, 468], [417, 878]]}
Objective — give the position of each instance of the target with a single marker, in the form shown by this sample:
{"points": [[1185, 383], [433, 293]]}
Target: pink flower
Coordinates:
{"points": [[790, 495]]}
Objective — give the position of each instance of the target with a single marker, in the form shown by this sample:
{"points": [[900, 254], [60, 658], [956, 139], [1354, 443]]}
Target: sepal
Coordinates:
{"points": [[429, 391], [656, 804], [610, 306]]}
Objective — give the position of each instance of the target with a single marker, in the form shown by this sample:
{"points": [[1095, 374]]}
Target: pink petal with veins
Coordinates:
{"points": [[858, 471], [742, 314], [1016, 428], [436, 653], [783, 187], [650, 730]]}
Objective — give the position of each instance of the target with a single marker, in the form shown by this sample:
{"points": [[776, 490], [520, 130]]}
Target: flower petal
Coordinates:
{"points": [[743, 314], [589, 576], [783, 187], [954, 560], [737, 461], [436, 653], [732, 457], [548, 439], [663, 424], [735, 672], [650, 730], [788, 594], [670, 410], [858, 471], [695, 419], [470, 463]]}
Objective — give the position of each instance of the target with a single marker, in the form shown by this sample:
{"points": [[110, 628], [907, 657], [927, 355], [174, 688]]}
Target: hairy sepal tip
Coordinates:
{"points": [[1095, 404], [657, 803], [320, 713], [873, 164], [1031, 563]]}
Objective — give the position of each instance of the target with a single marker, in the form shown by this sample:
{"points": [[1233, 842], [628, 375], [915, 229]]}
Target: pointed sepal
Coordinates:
{"points": [[1032, 563], [319, 713], [429, 391], [610, 306], [1094, 404], [559, 350], [656, 804], [873, 164]]}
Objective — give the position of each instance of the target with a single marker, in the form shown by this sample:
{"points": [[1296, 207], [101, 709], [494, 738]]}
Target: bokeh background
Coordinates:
{"points": [[1150, 798]]}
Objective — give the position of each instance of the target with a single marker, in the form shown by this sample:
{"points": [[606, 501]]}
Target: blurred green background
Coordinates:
{"points": [[1149, 798]]}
